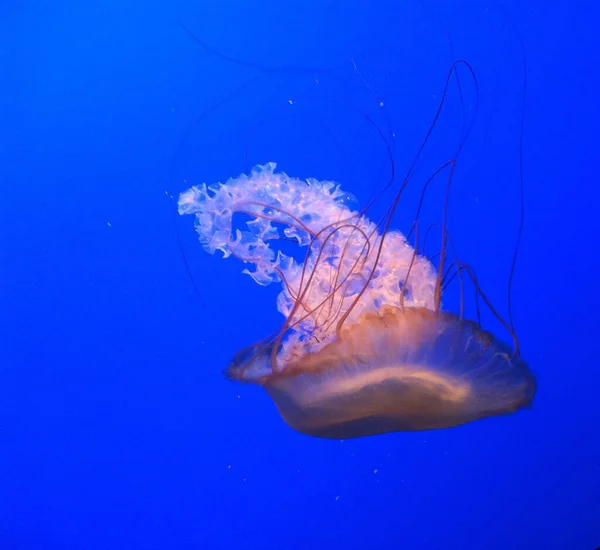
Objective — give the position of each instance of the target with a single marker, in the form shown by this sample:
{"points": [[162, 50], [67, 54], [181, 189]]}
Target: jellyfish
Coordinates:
{"points": [[365, 347]]}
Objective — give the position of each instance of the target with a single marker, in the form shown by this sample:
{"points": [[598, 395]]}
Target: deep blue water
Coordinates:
{"points": [[117, 427]]}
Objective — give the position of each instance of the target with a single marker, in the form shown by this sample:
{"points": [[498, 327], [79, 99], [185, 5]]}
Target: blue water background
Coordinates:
{"points": [[117, 427]]}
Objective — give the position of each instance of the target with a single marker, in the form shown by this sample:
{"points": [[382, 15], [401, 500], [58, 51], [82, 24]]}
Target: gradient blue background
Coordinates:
{"points": [[117, 428]]}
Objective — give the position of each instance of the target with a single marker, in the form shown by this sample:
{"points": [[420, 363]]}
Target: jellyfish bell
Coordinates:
{"points": [[395, 370], [365, 348]]}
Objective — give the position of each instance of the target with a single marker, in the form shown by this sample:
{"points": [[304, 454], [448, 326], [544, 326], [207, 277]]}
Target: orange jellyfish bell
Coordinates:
{"points": [[364, 350], [397, 370]]}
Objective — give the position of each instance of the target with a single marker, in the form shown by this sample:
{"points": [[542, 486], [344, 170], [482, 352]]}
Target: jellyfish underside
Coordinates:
{"points": [[394, 364]]}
